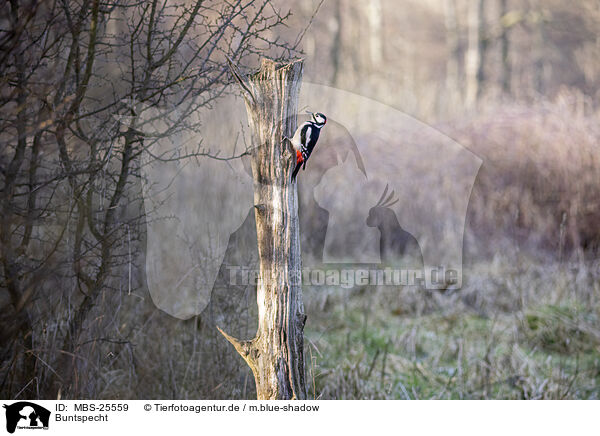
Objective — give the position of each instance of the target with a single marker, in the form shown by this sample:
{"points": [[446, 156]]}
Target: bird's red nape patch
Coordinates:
{"points": [[299, 158]]}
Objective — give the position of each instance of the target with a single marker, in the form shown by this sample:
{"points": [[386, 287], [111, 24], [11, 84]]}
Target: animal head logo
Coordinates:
{"points": [[26, 415], [395, 243], [381, 212]]}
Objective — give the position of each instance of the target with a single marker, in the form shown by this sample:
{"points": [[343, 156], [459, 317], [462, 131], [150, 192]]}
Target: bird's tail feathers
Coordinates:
{"points": [[298, 165]]}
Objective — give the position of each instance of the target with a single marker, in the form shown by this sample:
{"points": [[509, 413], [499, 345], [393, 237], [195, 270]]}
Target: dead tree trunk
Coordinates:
{"points": [[276, 354]]}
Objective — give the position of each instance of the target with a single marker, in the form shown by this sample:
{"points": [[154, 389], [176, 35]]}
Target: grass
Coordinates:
{"points": [[545, 349], [518, 329]]}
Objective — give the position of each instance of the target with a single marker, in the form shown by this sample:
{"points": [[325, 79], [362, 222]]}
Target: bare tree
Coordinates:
{"points": [[452, 45], [476, 51], [374, 14], [539, 21], [505, 25], [336, 47], [276, 354], [75, 77]]}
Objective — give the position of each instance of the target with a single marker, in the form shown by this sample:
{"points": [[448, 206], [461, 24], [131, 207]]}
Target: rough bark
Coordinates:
{"points": [[276, 354]]}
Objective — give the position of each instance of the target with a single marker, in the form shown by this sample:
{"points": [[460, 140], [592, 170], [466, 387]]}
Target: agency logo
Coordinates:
{"points": [[26, 415]]}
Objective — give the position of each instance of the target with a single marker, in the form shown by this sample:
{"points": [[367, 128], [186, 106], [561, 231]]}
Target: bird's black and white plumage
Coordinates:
{"points": [[305, 139]]}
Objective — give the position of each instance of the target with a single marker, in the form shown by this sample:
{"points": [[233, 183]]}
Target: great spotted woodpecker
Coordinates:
{"points": [[305, 139]]}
